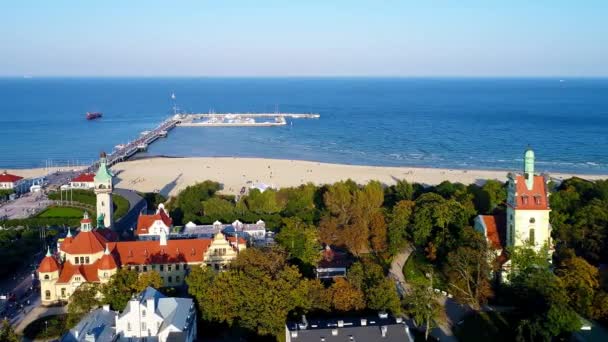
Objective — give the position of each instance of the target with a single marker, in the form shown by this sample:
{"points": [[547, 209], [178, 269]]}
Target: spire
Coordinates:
{"points": [[48, 251], [69, 233], [107, 251], [529, 167], [85, 223]]}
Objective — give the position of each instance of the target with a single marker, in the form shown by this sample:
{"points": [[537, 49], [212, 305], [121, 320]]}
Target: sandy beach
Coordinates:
{"points": [[170, 175]]}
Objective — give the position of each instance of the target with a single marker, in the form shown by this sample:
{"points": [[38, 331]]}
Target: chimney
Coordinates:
{"points": [[383, 330], [340, 324], [334, 332], [163, 237], [363, 322], [399, 319], [106, 307]]}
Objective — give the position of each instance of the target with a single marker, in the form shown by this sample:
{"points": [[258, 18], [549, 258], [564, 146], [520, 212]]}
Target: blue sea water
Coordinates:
{"points": [[453, 122]]}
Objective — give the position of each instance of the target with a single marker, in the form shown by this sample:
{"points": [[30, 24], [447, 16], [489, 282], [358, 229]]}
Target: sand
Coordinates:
{"points": [[170, 175]]}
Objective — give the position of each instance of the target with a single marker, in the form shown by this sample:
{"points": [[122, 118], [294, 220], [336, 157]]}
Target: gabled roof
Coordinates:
{"points": [[152, 252], [531, 199], [144, 222], [8, 178], [232, 240], [496, 230], [89, 242], [88, 272], [85, 177]]}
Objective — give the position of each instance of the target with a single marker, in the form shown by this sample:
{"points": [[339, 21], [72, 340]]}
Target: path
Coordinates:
{"points": [[454, 312], [39, 312]]}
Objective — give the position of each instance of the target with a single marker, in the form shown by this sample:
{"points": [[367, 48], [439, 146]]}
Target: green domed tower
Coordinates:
{"points": [[529, 167]]}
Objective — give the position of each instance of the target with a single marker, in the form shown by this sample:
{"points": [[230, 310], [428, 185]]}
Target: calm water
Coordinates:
{"points": [[455, 123]]}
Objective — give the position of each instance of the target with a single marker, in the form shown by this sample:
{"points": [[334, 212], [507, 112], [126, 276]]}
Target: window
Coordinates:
{"points": [[169, 278], [128, 326], [77, 278], [168, 268], [76, 260], [82, 260], [143, 313], [47, 294], [153, 267], [162, 268], [46, 277], [537, 200], [524, 199], [177, 267], [532, 236], [145, 268], [137, 268], [143, 325], [532, 220], [177, 279], [63, 292], [217, 267], [86, 259]]}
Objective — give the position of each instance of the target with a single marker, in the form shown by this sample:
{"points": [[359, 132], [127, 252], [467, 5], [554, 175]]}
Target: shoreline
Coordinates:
{"points": [[168, 175]]}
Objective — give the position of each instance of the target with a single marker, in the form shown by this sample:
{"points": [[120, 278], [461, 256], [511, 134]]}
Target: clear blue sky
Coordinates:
{"points": [[305, 38]]}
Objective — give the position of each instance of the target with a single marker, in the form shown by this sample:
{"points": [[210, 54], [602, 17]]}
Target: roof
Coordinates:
{"points": [[531, 199], [107, 262], [103, 175], [88, 272], [352, 327], [85, 177], [48, 264], [88, 242], [152, 252], [175, 312], [99, 323], [332, 258], [496, 230], [232, 239], [144, 222], [8, 178]]}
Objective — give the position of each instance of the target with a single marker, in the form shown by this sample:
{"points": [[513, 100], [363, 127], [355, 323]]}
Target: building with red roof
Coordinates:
{"points": [[89, 257], [83, 181], [153, 225], [9, 181]]}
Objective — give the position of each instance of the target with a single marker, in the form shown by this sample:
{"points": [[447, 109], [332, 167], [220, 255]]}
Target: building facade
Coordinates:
{"points": [[104, 184], [90, 257], [10, 182], [153, 225], [154, 317], [84, 181]]}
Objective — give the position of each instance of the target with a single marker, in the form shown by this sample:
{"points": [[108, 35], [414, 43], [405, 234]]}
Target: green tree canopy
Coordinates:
{"points": [[300, 240]]}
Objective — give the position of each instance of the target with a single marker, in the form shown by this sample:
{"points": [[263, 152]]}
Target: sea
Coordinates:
{"points": [[459, 123]]}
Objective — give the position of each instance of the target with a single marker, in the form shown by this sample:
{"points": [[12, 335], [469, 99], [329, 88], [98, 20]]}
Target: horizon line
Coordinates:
{"points": [[29, 76]]}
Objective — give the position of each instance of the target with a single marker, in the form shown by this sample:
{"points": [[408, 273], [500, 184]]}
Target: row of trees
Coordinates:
{"points": [[261, 290]]}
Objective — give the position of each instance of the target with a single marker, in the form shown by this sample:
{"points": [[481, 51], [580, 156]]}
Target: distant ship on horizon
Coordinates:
{"points": [[93, 115]]}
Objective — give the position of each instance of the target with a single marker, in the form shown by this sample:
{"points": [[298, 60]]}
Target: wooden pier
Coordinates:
{"points": [[239, 119]]}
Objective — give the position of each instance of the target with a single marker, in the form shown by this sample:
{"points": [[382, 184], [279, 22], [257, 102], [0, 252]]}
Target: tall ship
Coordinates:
{"points": [[93, 115]]}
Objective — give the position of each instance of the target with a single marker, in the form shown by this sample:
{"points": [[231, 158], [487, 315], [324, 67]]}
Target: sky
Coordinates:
{"points": [[304, 38]]}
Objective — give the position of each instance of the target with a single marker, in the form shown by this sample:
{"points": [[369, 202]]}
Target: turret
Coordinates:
{"points": [[103, 190], [529, 168], [85, 224], [48, 273], [107, 265]]}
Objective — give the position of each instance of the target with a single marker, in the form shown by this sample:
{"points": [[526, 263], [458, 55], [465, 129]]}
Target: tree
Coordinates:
{"points": [[300, 240], [581, 281], [262, 202], [218, 209], [345, 296], [7, 333], [378, 233], [145, 279], [189, 200], [82, 301], [399, 221], [383, 296], [468, 272], [423, 306], [404, 190], [120, 288]]}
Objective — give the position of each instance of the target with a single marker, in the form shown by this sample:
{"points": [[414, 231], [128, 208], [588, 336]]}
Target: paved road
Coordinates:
{"points": [[38, 312], [136, 205]]}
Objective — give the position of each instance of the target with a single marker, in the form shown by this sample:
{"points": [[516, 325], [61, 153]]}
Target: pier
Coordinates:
{"points": [[239, 119]]}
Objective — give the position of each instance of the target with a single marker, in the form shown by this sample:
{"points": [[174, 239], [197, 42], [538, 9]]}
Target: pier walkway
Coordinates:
{"points": [[240, 119]]}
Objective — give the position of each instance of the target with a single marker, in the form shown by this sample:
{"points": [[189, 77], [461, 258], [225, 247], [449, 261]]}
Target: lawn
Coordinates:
{"points": [[66, 212], [487, 326], [416, 268], [55, 327], [87, 197]]}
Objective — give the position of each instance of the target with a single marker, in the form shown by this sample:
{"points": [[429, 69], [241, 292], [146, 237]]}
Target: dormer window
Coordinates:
{"points": [[537, 200], [524, 199]]}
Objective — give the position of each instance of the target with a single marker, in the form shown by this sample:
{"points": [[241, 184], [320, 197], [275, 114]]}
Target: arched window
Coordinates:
{"points": [[46, 277], [532, 237], [47, 294], [532, 220]]}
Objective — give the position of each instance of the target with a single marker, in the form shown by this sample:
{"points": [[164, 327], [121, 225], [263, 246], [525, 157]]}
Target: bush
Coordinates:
{"points": [[56, 326]]}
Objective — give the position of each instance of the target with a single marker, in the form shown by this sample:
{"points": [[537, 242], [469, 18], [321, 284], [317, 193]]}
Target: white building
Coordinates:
{"points": [[103, 189], [83, 181], [154, 317], [10, 182], [153, 225]]}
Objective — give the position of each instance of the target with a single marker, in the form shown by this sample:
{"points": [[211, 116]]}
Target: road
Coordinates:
{"points": [[136, 205]]}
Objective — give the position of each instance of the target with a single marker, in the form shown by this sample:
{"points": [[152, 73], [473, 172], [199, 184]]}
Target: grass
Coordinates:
{"points": [[66, 212], [57, 326], [87, 197], [487, 326], [416, 268]]}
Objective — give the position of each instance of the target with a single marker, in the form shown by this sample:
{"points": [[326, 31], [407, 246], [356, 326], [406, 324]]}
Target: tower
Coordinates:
{"points": [[528, 207], [103, 189], [48, 273]]}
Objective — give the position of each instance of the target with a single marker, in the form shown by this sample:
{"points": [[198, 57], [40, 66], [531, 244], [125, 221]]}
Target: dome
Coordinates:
{"points": [[48, 264], [529, 153]]}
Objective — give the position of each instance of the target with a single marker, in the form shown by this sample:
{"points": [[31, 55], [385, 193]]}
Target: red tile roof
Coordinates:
{"points": [[8, 178], [144, 222], [231, 239], [85, 177], [48, 264], [534, 199], [107, 262], [88, 272], [84, 243], [496, 230], [151, 252]]}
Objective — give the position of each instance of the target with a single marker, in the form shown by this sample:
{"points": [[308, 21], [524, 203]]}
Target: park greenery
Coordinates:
{"points": [[88, 198], [373, 223]]}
